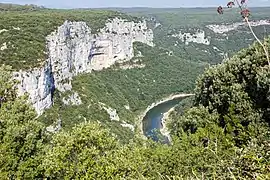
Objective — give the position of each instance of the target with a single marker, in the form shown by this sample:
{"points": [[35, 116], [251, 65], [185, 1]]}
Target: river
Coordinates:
{"points": [[152, 121]]}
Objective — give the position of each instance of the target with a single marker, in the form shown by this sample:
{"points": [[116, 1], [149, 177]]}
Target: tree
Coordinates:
{"points": [[245, 13], [226, 134], [7, 85], [21, 136], [83, 152]]}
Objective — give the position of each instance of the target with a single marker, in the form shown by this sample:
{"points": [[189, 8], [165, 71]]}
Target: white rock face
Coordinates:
{"points": [[224, 28], [4, 46], [112, 112], [215, 48], [157, 24], [127, 107], [17, 28], [198, 37], [73, 99], [55, 128], [73, 49], [130, 126], [115, 42], [38, 83], [3, 30], [68, 50]]}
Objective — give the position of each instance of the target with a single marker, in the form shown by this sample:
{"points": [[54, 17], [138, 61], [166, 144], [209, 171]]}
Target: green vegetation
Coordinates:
{"points": [[27, 31], [224, 136], [221, 133], [21, 137], [236, 86], [136, 88], [16, 7], [189, 20], [162, 75], [177, 17], [24, 33]]}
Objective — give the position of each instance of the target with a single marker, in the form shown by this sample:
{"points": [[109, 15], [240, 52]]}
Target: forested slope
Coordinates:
{"points": [[135, 88], [169, 21], [170, 67], [225, 135], [23, 33], [237, 89]]}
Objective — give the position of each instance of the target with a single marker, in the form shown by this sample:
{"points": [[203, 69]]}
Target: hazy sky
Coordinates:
{"points": [[130, 3]]}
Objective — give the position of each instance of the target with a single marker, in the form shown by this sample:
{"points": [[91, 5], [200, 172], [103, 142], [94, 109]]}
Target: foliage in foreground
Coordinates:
{"points": [[134, 88], [21, 137], [225, 136]]}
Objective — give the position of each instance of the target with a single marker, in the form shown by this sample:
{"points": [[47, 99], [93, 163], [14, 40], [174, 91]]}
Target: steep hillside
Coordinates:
{"points": [[169, 67], [236, 92], [224, 136], [127, 91], [49, 47], [107, 66], [200, 34], [23, 35]]}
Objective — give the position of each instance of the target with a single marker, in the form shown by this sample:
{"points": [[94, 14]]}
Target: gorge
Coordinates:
{"points": [[73, 49], [154, 119], [133, 93]]}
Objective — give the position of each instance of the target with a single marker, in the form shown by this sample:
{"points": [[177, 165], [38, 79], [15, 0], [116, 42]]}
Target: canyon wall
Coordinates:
{"points": [[73, 49]]}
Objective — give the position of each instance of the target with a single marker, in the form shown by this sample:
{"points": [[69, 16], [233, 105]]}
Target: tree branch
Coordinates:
{"points": [[254, 35]]}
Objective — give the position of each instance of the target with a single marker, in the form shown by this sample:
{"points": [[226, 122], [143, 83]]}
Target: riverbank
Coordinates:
{"points": [[165, 116], [164, 130]]}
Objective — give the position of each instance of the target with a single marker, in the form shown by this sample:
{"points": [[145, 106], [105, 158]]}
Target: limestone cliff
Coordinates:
{"points": [[39, 85], [197, 37], [73, 49], [225, 28]]}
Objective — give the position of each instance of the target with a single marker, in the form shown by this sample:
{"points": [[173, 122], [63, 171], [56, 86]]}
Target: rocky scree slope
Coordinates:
{"points": [[73, 49]]}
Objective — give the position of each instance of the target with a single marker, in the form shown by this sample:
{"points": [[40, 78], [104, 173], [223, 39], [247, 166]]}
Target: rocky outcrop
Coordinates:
{"points": [[38, 84], [224, 28], [3, 30], [111, 112], [115, 42], [68, 50], [197, 37], [73, 99], [130, 126], [73, 49], [54, 128], [4, 46]]}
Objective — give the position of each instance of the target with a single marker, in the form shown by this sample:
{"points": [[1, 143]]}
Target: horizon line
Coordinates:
{"points": [[129, 7], [148, 7]]}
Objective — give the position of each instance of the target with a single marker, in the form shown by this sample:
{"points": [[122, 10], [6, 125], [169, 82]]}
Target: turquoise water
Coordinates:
{"points": [[152, 120]]}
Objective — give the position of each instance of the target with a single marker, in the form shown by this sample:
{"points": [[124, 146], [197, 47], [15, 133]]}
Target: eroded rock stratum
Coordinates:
{"points": [[73, 49]]}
